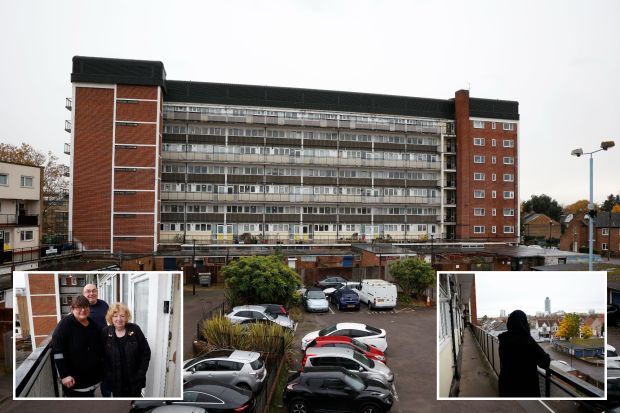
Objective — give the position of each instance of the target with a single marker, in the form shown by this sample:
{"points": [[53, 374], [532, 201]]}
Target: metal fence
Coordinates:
{"points": [[553, 382]]}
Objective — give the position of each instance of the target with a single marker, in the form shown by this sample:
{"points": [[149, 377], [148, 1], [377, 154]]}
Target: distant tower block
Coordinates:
{"points": [[547, 305]]}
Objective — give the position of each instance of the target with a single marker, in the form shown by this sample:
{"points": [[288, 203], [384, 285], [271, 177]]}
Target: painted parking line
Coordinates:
{"points": [[394, 392], [330, 309]]}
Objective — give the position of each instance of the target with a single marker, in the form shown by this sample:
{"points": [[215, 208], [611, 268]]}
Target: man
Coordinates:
{"points": [[78, 351], [98, 308]]}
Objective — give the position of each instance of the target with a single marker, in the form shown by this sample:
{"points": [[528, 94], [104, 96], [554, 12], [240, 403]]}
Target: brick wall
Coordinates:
{"points": [[42, 295]]}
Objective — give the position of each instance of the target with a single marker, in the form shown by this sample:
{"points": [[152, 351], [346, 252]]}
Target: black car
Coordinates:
{"points": [[331, 282], [207, 394], [345, 298], [335, 389]]}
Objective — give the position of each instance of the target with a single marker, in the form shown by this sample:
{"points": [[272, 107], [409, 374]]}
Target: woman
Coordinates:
{"points": [[78, 351], [127, 353], [519, 355]]}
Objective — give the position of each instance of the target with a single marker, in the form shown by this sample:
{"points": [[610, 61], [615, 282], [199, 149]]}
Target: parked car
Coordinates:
{"points": [[366, 334], [345, 298], [353, 285], [613, 360], [211, 396], [275, 309], [314, 300], [244, 369], [330, 282], [335, 390], [257, 312], [347, 358], [347, 342], [378, 293]]}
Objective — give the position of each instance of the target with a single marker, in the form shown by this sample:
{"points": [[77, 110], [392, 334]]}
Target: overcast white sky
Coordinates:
{"points": [[526, 291], [559, 59]]}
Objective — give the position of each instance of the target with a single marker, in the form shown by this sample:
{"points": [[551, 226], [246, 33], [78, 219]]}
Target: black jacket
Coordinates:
{"points": [[78, 351], [137, 357], [519, 355]]}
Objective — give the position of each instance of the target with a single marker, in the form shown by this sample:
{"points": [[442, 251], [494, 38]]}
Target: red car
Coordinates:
{"points": [[347, 342]]}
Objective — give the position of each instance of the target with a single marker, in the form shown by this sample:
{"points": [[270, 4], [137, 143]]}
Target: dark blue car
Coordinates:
{"points": [[345, 299]]}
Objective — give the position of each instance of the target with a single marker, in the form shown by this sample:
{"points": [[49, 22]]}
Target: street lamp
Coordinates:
{"points": [[591, 213]]}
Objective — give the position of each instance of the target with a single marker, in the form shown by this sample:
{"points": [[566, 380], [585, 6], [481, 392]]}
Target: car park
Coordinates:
{"points": [[314, 300], [211, 396], [348, 342], [257, 312], [378, 293], [330, 282], [347, 358], [345, 299], [335, 390], [362, 332], [244, 369]]}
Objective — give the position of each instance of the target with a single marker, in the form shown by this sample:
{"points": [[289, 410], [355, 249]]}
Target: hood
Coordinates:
{"points": [[382, 368], [284, 321], [517, 323]]}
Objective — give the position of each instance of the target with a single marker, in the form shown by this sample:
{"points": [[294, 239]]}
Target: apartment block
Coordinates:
{"points": [[21, 190], [157, 161]]}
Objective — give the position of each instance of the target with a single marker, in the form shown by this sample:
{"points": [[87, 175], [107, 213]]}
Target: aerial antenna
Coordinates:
{"points": [[469, 86]]}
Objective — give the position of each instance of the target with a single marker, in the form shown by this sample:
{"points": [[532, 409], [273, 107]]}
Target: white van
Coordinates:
{"points": [[377, 293]]}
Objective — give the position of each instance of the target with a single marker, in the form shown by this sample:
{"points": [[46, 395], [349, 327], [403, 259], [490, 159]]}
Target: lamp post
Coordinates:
{"points": [[591, 213]]}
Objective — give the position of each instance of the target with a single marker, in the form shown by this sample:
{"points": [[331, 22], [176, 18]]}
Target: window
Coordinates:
{"points": [[478, 212], [478, 124], [604, 247], [493, 177], [605, 231], [478, 141], [479, 193], [4, 179], [478, 176], [478, 158], [493, 194], [493, 229], [509, 143], [509, 229], [479, 229], [493, 212], [509, 177], [509, 126], [493, 125], [493, 142], [509, 160], [26, 181], [509, 212], [493, 160], [27, 235], [509, 194]]}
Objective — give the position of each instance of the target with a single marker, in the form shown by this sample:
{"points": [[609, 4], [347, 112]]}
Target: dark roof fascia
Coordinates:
{"points": [[118, 71], [493, 109]]}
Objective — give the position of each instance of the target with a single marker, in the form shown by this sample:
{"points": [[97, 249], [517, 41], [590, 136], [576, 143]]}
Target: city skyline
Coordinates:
{"points": [[561, 74]]}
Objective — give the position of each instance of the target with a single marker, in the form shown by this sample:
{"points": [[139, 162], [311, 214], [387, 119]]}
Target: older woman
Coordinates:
{"points": [[127, 353], [77, 350]]}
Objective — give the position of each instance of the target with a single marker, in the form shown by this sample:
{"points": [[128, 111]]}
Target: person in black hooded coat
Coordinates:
{"points": [[519, 355]]}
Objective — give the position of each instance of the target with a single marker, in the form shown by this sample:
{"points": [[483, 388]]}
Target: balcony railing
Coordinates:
{"points": [[67, 149], [13, 219], [36, 376], [553, 382], [68, 126], [68, 104]]}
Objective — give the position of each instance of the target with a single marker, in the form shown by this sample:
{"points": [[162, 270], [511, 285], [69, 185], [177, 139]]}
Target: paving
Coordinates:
{"points": [[477, 377]]}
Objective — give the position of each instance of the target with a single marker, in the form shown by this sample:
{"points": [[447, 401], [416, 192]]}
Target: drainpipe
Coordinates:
{"points": [[454, 358]]}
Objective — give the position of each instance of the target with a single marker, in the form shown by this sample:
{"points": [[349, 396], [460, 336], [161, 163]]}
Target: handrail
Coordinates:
{"points": [[32, 369]]}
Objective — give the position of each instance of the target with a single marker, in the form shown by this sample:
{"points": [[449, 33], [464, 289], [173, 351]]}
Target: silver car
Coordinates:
{"points": [[314, 300], [244, 369], [258, 312], [347, 358]]}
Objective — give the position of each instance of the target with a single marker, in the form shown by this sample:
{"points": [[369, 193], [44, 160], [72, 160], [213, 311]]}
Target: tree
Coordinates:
{"points": [[586, 331], [255, 280], [577, 207], [616, 209], [611, 201], [543, 204], [412, 275], [569, 326], [55, 175]]}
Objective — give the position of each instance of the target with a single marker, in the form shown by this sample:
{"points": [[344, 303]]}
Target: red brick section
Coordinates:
{"points": [[43, 327], [133, 225], [142, 134], [43, 305], [472, 300], [465, 176], [136, 112], [41, 284], [612, 239], [463, 155], [134, 156], [136, 92], [138, 179], [133, 245], [92, 166], [135, 202]]}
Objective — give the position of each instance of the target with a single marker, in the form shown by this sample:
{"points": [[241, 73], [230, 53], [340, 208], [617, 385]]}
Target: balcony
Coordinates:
{"points": [[68, 126], [68, 104], [28, 220], [67, 149], [36, 376]]}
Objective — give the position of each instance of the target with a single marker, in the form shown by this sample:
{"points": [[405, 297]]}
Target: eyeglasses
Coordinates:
{"points": [[82, 308], [90, 291]]}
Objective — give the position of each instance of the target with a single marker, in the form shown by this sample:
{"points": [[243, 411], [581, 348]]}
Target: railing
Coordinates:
{"points": [[8, 219], [36, 376], [67, 150], [228, 239], [68, 104], [68, 126], [553, 382], [20, 255]]}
